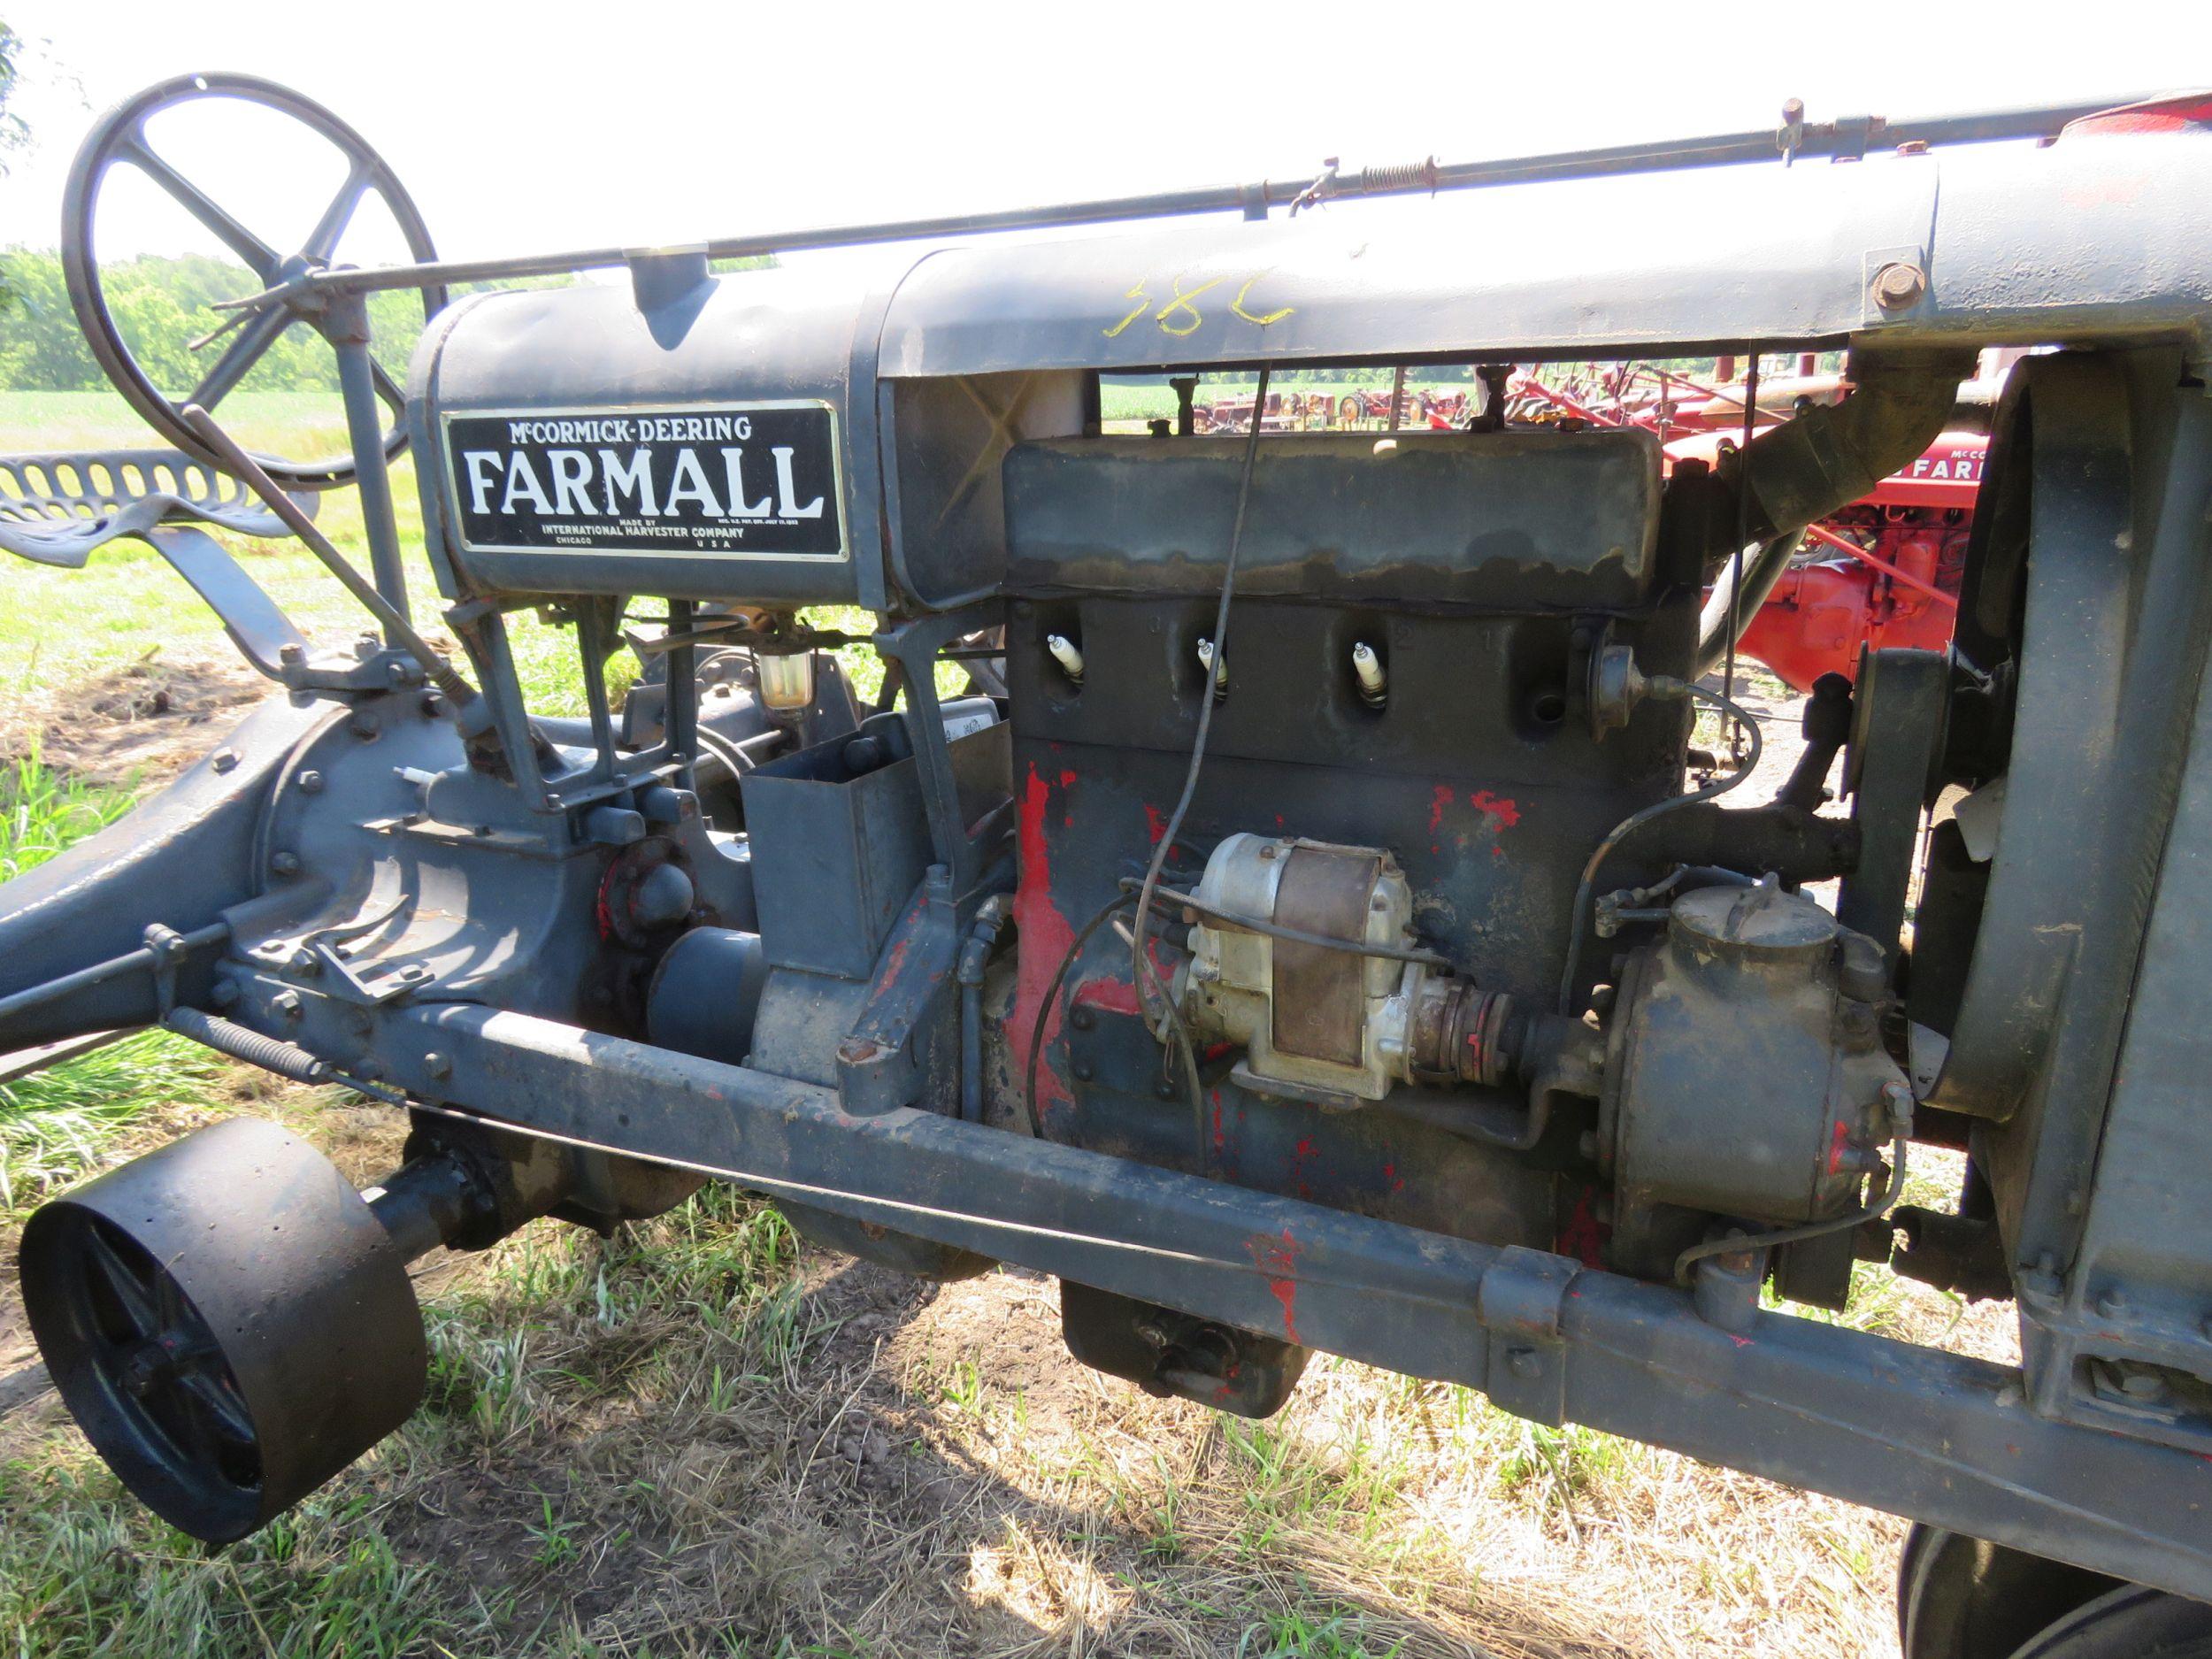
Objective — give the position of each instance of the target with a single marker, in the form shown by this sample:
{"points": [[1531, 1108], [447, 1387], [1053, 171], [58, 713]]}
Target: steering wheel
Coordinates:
{"points": [[119, 139]]}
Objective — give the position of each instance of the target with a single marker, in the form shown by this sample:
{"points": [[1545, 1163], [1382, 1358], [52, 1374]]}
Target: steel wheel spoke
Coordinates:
{"points": [[387, 389], [217, 1407], [322, 241], [130, 1291], [258, 254], [245, 349]]}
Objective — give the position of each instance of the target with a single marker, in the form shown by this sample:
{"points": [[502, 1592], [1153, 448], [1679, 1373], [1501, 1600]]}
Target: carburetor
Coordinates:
{"points": [[1322, 1024]]}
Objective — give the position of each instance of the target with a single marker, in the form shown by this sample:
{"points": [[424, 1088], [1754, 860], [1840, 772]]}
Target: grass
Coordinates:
{"points": [[697, 1437]]}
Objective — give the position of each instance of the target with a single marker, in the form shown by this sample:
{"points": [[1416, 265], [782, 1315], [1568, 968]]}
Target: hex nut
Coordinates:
{"points": [[310, 780], [437, 1065], [224, 760], [1900, 286], [285, 863]]}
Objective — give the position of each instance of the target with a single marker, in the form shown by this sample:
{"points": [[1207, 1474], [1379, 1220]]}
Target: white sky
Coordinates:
{"points": [[545, 123]]}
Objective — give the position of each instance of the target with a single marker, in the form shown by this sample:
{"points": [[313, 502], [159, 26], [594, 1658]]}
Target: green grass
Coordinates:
{"points": [[43, 811], [56, 1124]]}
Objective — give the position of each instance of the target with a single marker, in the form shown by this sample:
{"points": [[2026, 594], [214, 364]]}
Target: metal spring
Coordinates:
{"points": [[225, 1036], [1376, 180]]}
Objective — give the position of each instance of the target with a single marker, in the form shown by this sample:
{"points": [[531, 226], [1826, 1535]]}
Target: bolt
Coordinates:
{"points": [[1900, 286], [2143, 1384], [1522, 1361], [396, 673], [285, 863], [224, 760], [363, 725], [1913, 147], [437, 1064], [432, 705], [226, 995], [285, 1005], [1084, 1071], [305, 960], [1082, 1019], [2112, 1304], [291, 655], [310, 780]]}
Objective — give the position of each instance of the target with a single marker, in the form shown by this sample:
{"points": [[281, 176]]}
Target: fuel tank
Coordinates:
{"points": [[685, 433]]}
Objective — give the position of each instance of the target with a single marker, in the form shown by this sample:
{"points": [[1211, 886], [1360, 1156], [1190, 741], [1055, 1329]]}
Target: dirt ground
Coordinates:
{"points": [[701, 1436]]}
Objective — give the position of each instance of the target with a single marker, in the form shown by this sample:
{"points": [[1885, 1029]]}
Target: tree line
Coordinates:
{"points": [[161, 305]]}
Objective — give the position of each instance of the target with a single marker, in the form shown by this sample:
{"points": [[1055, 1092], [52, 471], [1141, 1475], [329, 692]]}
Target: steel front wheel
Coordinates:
{"points": [[2130, 1623], [227, 1322]]}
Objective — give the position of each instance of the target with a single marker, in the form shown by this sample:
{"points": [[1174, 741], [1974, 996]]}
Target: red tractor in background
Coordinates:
{"points": [[1884, 570]]}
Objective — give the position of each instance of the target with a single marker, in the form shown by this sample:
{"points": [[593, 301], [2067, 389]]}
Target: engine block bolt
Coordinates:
{"points": [[1374, 687], [285, 1005], [224, 760], [310, 780], [1065, 653], [285, 863], [437, 1065]]}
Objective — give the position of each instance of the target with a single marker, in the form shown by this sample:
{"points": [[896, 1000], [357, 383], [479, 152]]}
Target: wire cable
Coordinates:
{"points": [[1051, 999], [1892, 1190], [1295, 936], [1139, 960], [1579, 924]]}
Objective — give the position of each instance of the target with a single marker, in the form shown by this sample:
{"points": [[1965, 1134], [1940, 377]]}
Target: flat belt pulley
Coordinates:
{"points": [[227, 1320]]}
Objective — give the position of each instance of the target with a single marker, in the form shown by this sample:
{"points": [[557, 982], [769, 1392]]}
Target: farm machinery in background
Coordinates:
{"points": [[1883, 571], [1386, 976]]}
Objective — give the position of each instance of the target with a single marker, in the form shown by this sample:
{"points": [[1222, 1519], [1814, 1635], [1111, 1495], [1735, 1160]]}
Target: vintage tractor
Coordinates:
{"points": [[1312, 933]]}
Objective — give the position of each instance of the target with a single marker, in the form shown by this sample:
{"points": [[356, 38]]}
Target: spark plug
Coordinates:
{"points": [[1374, 687], [1220, 670], [1065, 653]]}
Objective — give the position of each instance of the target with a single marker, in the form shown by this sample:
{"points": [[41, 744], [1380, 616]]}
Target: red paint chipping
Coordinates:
{"points": [[1502, 811], [1835, 1148], [1046, 935], [1116, 996], [894, 963], [1583, 1237], [1278, 1258], [1155, 826], [1438, 801]]}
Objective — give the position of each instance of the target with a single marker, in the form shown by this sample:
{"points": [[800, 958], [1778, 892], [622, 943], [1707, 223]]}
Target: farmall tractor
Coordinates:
{"points": [[1311, 935]]}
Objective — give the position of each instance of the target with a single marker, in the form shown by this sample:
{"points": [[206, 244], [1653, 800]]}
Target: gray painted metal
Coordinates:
{"points": [[1848, 139], [1913, 1430]]}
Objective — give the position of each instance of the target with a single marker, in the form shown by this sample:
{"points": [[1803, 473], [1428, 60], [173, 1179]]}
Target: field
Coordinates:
{"points": [[700, 1437]]}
